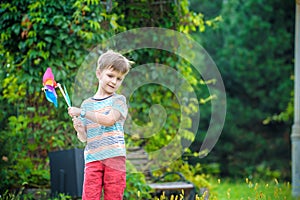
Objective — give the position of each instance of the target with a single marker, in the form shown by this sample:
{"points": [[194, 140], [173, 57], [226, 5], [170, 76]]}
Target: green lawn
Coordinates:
{"points": [[221, 189], [244, 190], [250, 190]]}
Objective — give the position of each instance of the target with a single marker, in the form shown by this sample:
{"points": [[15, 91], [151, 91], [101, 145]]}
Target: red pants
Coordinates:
{"points": [[109, 175]]}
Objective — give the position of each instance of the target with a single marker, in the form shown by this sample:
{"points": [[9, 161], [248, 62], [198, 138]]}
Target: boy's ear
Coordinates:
{"points": [[98, 73]]}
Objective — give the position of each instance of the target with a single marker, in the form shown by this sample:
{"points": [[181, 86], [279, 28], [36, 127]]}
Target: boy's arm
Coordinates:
{"points": [[81, 136], [80, 129], [103, 119]]}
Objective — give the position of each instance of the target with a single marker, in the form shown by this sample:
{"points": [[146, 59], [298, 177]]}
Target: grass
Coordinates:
{"points": [[244, 190], [250, 190], [225, 189]]}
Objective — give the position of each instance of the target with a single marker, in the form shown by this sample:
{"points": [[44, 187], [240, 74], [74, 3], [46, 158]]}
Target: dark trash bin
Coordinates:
{"points": [[66, 171]]}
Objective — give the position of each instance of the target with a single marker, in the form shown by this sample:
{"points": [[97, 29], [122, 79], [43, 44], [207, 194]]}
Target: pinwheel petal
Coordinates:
{"points": [[50, 94], [48, 78], [51, 97]]}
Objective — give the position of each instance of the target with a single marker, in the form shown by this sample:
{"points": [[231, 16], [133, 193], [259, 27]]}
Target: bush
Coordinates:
{"points": [[136, 186]]}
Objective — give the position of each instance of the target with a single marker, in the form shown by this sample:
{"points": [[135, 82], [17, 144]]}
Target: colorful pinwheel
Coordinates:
{"points": [[49, 88]]}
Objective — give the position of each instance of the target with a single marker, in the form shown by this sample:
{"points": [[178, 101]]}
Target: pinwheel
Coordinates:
{"points": [[50, 85]]}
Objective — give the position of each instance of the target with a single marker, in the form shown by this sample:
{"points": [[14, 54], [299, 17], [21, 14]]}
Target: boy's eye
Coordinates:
{"points": [[110, 76]]}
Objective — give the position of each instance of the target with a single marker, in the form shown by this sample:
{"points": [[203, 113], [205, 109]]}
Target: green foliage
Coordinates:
{"points": [[34, 36], [40, 34], [136, 186], [24, 194], [284, 116], [143, 102], [253, 49]]}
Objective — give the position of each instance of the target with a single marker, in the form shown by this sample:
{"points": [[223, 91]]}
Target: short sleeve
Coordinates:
{"points": [[119, 104]]}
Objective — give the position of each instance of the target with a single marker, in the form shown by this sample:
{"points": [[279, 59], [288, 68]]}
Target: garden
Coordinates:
{"points": [[210, 93]]}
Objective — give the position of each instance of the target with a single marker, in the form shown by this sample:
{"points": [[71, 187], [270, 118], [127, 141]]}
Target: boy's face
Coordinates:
{"points": [[110, 80]]}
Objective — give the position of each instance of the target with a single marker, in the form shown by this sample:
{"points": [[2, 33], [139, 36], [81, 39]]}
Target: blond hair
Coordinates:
{"points": [[115, 61]]}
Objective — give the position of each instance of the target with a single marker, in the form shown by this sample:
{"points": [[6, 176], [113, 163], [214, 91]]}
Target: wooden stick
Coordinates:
{"points": [[63, 93]]}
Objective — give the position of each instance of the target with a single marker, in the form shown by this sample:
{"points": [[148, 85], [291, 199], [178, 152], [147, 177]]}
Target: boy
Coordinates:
{"points": [[99, 122]]}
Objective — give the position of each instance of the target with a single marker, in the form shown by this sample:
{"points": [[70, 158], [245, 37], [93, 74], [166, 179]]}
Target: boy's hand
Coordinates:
{"points": [[74, 112], [78, 125]]}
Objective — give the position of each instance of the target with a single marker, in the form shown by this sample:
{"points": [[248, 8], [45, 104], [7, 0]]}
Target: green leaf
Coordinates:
{"points": [[16, 28], [48, 39]]}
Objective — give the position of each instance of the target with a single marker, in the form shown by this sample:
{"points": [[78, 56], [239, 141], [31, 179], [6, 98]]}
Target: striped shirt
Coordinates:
{"points": [[105, 141]]}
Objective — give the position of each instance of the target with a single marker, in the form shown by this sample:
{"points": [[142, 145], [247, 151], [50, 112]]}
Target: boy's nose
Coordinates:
{"points": [[114, 80]]}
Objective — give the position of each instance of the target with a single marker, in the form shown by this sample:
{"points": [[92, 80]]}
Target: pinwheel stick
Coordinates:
{"points": [[63, 93]]}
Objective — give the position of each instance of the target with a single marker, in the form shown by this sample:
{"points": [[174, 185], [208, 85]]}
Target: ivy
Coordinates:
{"points": [[39, 34]]}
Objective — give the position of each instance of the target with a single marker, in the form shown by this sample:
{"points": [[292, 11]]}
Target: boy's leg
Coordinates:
{"points": [[114, 178], [92, 185]]}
